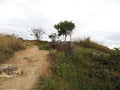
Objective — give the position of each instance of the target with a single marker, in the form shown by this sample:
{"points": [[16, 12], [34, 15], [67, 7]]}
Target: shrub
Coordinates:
{"points": [[87, 71], [9, 44], [66, 47], [42, 45], [66, 76]]}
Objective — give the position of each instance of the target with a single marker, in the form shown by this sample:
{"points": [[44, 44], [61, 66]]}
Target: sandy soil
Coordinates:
{"points": [[35, 65]]}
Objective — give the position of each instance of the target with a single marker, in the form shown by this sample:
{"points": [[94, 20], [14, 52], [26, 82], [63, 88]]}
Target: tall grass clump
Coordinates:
{"points": [[91, 44], [8, 45]]}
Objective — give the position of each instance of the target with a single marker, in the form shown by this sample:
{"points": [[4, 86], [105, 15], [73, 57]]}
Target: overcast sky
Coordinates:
{"points": [[99, 19]]}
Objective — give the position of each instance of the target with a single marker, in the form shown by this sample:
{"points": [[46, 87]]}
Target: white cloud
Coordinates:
{"points": [[95, 18]]}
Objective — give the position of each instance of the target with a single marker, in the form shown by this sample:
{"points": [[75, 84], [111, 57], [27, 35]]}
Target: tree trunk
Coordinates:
{"points": [[70, 37], [65, 37]]}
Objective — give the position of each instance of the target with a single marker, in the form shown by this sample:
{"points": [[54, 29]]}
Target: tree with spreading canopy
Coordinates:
{"points": [[65, 28]]}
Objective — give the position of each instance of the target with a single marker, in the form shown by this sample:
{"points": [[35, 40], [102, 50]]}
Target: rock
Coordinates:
{"points": [[26, 58], [9, 70]]}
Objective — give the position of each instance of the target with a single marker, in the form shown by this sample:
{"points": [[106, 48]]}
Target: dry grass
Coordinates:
{"points": [[91, 44], [9, 44]]}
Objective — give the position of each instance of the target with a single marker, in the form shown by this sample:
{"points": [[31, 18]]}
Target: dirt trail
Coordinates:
{"points": [[35, 65]]}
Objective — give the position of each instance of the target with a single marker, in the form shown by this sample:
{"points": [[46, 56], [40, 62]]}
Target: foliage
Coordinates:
{"points": [[65, 28], [9, 44], [43, 45], [85, 65], [115, 59], [65, 74], [53, 37], [66, 47], [90, 70]]}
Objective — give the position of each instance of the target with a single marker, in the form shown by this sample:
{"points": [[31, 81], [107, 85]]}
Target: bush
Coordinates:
{"points": [[91, 69], [115, 59], [66, 76], [46, 84], [9, 44], [42, 45]]}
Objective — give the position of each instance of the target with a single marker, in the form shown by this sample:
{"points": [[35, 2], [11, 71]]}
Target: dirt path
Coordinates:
{"points": [[35, 65]]}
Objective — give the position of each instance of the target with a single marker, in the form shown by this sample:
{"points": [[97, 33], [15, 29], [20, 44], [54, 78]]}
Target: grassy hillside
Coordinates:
{"points": [[94, 67], [87, 43], [8, 45]]}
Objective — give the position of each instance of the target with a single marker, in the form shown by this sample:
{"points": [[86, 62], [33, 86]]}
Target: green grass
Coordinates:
{"points": [[65, 75], [42, 45], [8, 45], [87, 71]]}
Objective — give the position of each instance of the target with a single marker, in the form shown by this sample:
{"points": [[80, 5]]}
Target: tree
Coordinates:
{"points": [[53, 37], [38, 32], [65, 28]]}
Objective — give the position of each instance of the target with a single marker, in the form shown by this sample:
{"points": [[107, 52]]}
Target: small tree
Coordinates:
{"points": [[65, 28], [53, 37], [53, 40], [38, 32]]}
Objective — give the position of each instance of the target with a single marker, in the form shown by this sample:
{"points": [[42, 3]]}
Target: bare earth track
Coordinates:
{"points": [[32, 67]]}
